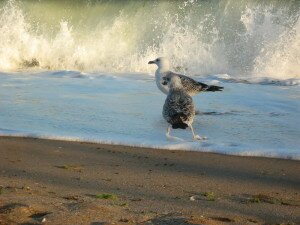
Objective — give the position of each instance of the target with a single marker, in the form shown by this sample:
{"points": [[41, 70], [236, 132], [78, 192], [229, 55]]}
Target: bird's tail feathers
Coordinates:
{"points": [[179, 125], [177, 122], [213, 88]]}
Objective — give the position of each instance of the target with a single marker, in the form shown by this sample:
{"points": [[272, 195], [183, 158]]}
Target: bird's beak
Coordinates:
{"points": [[151, 62]]}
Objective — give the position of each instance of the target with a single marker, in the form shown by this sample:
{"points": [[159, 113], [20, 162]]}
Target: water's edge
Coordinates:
{"points": [[70, 139]]}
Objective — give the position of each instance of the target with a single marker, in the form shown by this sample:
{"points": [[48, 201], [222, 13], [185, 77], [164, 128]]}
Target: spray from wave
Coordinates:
{"points": [[248, 38]]}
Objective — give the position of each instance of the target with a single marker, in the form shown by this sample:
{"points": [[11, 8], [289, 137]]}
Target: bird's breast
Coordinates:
{"points": [[159, 81]]}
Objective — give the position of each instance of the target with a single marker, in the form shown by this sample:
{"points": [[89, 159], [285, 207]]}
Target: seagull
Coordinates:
{"points": [[179, 109], [191, 86]]}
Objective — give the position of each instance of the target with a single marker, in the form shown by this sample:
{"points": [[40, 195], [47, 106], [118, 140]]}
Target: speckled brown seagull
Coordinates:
{"points": [[191, 86], [179, 109]]}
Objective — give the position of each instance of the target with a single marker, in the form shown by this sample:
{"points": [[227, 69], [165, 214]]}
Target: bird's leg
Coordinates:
{"points": [[168, 130], [172, 137], [195, 136]]}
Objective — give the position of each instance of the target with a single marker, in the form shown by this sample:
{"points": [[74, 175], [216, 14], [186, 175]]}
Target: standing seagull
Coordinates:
{"points": [[179, 109], [191, 86]]}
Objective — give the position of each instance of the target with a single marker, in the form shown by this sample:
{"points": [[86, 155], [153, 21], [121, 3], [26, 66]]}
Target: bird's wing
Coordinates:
{"points": [[190, 85]]}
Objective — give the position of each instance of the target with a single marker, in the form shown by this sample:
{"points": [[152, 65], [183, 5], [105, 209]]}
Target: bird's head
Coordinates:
{"points": [[173, 81], [161, 62]]}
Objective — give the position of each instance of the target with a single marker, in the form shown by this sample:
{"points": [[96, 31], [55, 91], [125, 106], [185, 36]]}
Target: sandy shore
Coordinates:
{"points": [[59, 182]]}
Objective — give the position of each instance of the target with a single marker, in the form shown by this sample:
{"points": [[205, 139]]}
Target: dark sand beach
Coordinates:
{"points": [[61, 182]]}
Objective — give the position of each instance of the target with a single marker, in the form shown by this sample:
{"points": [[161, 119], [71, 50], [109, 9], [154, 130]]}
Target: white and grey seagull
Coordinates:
{"points": [[179, 109], [191, 86]]}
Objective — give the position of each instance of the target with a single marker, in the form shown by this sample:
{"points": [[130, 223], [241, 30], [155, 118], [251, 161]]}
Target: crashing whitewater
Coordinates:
{"points": [[246, 39]]}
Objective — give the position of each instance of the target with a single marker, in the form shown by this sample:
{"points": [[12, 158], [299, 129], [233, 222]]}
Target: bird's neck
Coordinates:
{"points": [[163, 67], [160, 72], [158, 78]]}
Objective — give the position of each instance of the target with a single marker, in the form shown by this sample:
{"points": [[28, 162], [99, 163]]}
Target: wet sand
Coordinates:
{"points": [[60, 182]]}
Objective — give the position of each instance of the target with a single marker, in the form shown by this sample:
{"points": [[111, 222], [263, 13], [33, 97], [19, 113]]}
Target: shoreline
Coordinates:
{"points": [[65, 182], [144, 146]]}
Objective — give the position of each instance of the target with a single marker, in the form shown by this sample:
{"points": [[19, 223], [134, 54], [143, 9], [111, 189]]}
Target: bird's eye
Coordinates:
{"points": [[158, 60]]}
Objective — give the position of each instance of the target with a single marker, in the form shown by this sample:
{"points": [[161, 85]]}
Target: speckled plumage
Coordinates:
{"points": [[179, 109], [191, 86]]}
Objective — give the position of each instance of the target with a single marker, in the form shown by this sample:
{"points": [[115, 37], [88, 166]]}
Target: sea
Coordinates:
{"points": [[78, 70]]}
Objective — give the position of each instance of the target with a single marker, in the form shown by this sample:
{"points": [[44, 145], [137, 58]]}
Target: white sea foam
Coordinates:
{"points": [[254, 80], [187, 146], [126, 109]]}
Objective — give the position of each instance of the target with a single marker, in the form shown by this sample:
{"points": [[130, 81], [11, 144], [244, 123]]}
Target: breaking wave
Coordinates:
{"points": [[244, 39]]}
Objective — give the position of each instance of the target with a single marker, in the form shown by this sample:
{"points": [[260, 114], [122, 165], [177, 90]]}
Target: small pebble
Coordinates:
{"points": [[193, 198]]}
